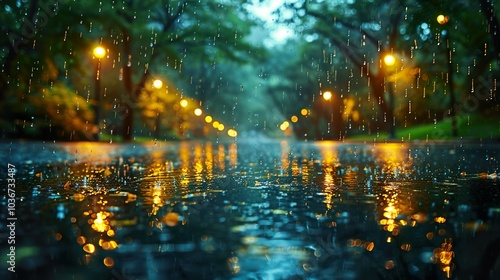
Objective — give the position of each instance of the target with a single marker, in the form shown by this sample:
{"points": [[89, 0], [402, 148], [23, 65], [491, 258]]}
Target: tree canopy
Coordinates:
{"points": [[214, 54]]}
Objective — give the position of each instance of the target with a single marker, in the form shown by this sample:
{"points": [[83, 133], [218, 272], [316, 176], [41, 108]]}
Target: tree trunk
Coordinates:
{"points": [[377, 91], [128, 100]]}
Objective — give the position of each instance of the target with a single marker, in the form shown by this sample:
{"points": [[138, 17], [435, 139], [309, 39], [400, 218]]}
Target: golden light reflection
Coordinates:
{"points": [[285, 160], [171, 219], [442, 19], [440, 220], [233, 155], [89, 248], [198, 162], [109, 262], [329, 156], [184, 153], [209, 160], [306, 165], [108, 245], [100, 222], [296, 171], [389, 264], [90, 152], [394, 159], [443, 256], [221, 156]]}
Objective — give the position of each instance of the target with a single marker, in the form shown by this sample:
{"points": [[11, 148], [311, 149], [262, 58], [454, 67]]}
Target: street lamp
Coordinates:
{"points": [[198, 112], [157, 84], [99, 52], [390, 61], [327, 95], [443, 20]]}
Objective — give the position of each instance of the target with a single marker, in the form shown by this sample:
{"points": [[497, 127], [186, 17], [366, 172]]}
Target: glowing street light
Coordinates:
{"points": [[294, 119], [99, 53], [442, 19], [208, 119], [304, 112], [198, 112], [327, 95], [390, 61], [158, 84], [184, 103], [284, 126], [232, 133]]}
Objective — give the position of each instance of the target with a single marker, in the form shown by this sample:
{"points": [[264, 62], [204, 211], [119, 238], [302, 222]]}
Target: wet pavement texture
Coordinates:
{"points": [[252, 210]]}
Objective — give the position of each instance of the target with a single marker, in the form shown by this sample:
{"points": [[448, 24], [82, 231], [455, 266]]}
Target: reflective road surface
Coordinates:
{"points": [[250, 210]]}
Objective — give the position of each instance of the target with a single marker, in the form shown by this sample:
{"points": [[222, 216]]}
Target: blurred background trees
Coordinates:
{"points": [[219, 57]]}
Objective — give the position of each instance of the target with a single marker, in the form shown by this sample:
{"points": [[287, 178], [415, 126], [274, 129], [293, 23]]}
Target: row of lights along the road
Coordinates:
{"points": [[198, 112], [286, 124]]}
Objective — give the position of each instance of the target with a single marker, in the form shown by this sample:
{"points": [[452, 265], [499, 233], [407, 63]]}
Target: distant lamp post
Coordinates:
{"points": [[327, 95], [99, 53], [390, 61], [443, 20], [157, 84], [184, 103]]}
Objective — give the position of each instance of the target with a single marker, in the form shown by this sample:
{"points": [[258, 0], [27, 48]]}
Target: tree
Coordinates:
{"points": [[158, 34], [37, 48], [363, 31]]}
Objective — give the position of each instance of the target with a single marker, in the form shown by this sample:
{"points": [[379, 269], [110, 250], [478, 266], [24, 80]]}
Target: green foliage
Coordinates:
{"points": [[213, 53], [55, 112]]}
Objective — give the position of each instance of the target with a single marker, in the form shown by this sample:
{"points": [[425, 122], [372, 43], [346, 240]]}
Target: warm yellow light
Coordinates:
{"points": [[294, 119], [442, 19], [286, 124], [184, 102], [232, 133], [440, 220], [99, 52], [198, 112], [389, 60], [215, 124], [283, 127], [327, 95], [157, 83], [304, 112], [89, 248], [109, 262], [208, 119], [220, 127]]}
